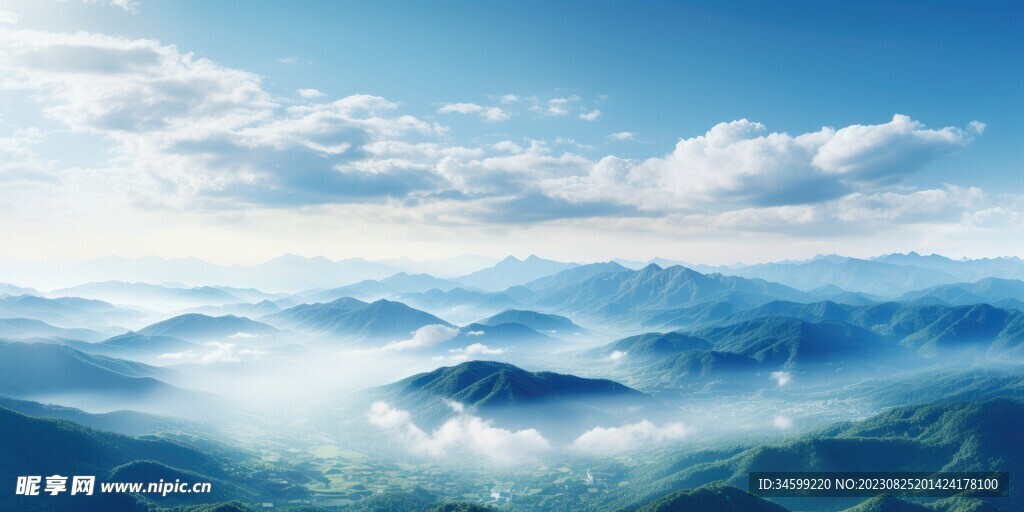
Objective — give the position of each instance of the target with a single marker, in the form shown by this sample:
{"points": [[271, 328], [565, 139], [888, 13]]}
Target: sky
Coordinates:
{"points": [[708, 132]]}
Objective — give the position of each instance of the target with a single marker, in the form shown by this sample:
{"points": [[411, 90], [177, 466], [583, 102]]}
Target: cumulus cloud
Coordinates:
{"points": [[629, 437], [8, 18], [463, 434], [740, 164], [424, 337], [491, 114], [616, 355], [185, 132], [590, 116], [782, 378]]}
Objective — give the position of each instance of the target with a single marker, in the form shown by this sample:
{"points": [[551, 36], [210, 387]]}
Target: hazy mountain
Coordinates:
{"points": [[61, 374], [412, 283], [382, 320], [66, 311], [679, 318], [651, 346], [701, 369], [150, 295], [24, 328], [10, 289], [123, 422], [286, 273], [135, 342], [573, 276], [459, 304], [963, 270], [614, 294], [990, 290], [553, 324], [512, 271], [712, 497], [504, 336], [513, 397], [196, 327], [851, 274], [445, 268]]}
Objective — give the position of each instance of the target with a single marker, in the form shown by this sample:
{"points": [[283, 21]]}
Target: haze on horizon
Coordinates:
{"points": [[165, 128]]}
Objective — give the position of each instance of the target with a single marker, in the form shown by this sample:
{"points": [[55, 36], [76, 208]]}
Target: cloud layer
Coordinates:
{"points": [[186, 133]]}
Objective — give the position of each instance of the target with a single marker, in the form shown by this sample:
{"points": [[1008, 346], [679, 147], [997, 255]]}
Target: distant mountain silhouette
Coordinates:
{"points": [[197, 327], [25, 328], [66, 311], [382, 320], [511, 272], [556, 325]]}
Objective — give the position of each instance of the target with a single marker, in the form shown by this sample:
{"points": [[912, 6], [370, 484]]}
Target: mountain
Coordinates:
{"points": [[66, 311], [508, 335], [150, 295], [991, 290], [24, 328], [678, 318], [196, 327], [851, 274], [511, 272], [952, 436], [62, 374], [130, 423], [783, 342], [621, 294], [711, 497], [514, 397], [135, 342], [970, 270], [49, 447], [652, 346], [382, 320], [411, 283], [40, 370], [573, 276], [553, 324], [10, 289], [933, 330], [461, 305]]}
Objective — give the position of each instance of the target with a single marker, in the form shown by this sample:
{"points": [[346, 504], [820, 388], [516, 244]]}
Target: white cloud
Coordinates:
{"points": [[475, 333], [977, 127], [186, 354], [559, 107], [310, 93], [476, 349], [590, 116], [243, 335], [621, 136], [782, 422], [228, 353], [616, 355], [127, 5], [424, 337], [782, 378], [464, 434], [219, 352], [8, 18], [490, 114], [508, 98], [507, 146], [629, 437]]}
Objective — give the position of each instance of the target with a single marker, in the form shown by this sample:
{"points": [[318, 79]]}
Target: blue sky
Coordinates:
{"points": [[585, 153]]}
